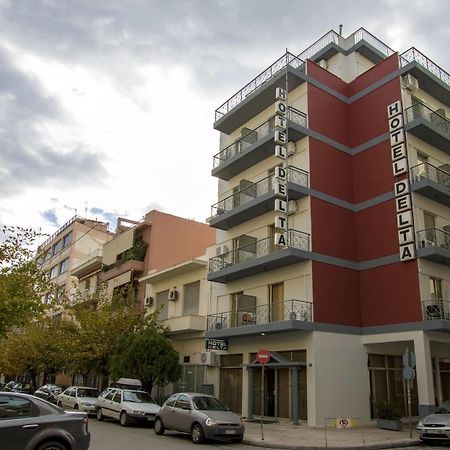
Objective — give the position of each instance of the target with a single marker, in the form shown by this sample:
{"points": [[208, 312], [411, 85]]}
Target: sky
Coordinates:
{"points": [[107, 106]]}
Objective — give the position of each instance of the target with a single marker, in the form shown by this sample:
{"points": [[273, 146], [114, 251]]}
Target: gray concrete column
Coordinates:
{"points": [[294, 395], [424, 372], [250, 394]]}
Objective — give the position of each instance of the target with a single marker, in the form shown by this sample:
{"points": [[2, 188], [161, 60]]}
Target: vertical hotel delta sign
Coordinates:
{"points": [[280, 138], [402, 192]]}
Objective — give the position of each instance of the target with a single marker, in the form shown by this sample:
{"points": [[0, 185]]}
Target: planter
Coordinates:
{"points": [[387, 424]]}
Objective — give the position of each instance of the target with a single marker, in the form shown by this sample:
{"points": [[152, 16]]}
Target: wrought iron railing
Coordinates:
{"points": [[255, 135], [430, 172], [433, 237], [363, 35], [254, 190], [321, 43], [288, 59], [414, 55], [259, 248], [270, 312], [436, 309], [420, 110]]}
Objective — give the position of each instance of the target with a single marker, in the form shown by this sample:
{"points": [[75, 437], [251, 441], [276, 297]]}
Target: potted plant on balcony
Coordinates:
{"points": [[388, 416]]}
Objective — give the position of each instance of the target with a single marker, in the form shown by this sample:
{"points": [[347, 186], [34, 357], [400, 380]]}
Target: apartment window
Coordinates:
{"points": [[435, 288], [67, 239], [53, 272], [162, 304], [57, 247], [64, 265], [191, 298], [48, 255]]}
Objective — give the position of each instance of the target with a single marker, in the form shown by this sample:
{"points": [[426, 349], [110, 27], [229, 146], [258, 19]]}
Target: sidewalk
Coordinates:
{"points": [[284, 435]]}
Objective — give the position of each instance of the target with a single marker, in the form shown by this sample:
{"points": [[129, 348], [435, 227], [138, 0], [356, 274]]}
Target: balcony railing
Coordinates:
{"points": [[288, 59], [430, 172], [257, 249], [414, 55], [92, 255], [254, 190], [321, 43], [436, 309], [271, 312], [433, 237], [255, 135], [420, 110], [364, 35]]}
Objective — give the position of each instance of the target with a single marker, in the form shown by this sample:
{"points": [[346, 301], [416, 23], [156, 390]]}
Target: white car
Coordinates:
{"points": [[79, 397], [126, 405]]}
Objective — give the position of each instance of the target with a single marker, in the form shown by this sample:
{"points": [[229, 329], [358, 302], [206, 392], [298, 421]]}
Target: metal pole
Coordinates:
{"points": [[408, 390], [262, 401]]}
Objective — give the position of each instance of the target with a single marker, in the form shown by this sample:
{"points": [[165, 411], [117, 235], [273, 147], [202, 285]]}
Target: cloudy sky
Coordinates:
{"points": [[107, 106]]}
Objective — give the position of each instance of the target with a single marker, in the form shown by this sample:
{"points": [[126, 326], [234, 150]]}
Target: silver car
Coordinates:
{"points": [[436, 427], [201, 415], [79, 397]]}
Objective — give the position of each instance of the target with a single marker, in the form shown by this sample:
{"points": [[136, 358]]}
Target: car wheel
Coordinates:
{"points": [[123, 419], [52, 445], [197, 434], [59, 404], [100, 414], [159, 426]]}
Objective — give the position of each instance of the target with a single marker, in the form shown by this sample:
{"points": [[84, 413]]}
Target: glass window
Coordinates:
{"points": [[15, 407], [87, 392], [183, 402], [64, 265], [209, 404], [191, 298], [67, 239], [137, 397], [376, 361], [110, 395], [57, 247], [171, 400], [53, 272], [162, 304], [118, 397]]}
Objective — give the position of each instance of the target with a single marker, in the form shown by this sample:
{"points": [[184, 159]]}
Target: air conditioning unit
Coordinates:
{"points": [[221, 250], [148, 301], [173, 294], [291, 148], [409, 82], [208, 358], [292, 207], [323, 63]]}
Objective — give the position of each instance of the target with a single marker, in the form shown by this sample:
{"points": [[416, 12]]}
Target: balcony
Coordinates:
{"points": [[256, 199], [260, 256], [88, 265], [432, 79], [429, 126], [269, 317], [434, 245], [256, 145], [436, 309], [185, 324], [431, 182], [259, 94]]}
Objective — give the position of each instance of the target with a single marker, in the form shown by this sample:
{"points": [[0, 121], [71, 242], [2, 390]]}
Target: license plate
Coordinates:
{"points": [[230, 431], [434, 431]]}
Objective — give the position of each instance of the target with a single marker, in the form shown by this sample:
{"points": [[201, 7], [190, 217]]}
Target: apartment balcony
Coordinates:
{"points": [[121, 267], [256, 199], [260, 256], [436, 309], [429, 126], [271, 317], [185, 324], [256, 145], [434, 245], [88, 265], [432, 79], [431, 182]]}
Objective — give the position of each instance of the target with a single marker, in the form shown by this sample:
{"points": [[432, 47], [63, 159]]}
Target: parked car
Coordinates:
{"points": [[49, 392], [8, 386], [23, 387], [79, 397], [436, 427], [30, 423], [201, 415], [126, 405]]}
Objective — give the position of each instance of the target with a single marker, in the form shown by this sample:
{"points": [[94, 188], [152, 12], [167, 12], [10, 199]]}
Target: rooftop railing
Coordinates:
{"points": [[60, 230], [259, 248], [363, 35], [255, 135], [414, 55], [433, 237], [436, 309], [321, 43], [430, 172], [270, 312], [254, 190], [420, 110], [288, 59]]}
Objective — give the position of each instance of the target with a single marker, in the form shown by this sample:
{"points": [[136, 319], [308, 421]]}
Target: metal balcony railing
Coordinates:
{"points": [[257, 249], [436, 309], [430, 172], [254, 190], [414, 55], [420, 110], [363, 35], [253, 136], [271, 312], [288, 59], [433, 237], [321, 43]]}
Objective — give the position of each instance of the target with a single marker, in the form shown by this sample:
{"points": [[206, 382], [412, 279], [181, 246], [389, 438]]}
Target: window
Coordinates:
{"points": [[162, 304], [191, 298], [63, 266], [67, 240], [171, 400], [110, 395], [57, 247], [14, 408], [183, 402], [118, 397], [53, 272], [435, 288]]}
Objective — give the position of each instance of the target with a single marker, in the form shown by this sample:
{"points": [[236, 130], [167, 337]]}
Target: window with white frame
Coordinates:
{"points": [[191, 298], [64, 265]]}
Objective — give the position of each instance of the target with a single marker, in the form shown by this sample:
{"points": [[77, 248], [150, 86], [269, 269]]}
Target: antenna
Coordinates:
{"points": [[340, 29]]}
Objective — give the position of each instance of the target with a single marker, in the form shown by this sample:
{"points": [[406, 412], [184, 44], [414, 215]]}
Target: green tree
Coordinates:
{"points": [[21, 280], [147, 355]]}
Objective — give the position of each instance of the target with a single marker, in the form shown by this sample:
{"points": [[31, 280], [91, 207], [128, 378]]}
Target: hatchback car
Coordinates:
{"points": [[30, 423], [49, 392], [79, 397], [201, 415], [436, 427], [126, 405]]}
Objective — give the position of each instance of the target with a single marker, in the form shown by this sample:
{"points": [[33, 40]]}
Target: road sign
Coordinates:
{"points": [[409, 358], [263, 356], [408, 373]]}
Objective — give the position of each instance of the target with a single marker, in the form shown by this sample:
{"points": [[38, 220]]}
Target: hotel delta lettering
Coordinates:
{"points": [[403, 204], [280, 139]]}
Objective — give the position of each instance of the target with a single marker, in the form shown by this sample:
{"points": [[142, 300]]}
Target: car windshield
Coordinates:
{"points": [[87, 392], [443, 409], [209, 404], [137, 397]]}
